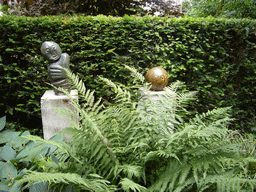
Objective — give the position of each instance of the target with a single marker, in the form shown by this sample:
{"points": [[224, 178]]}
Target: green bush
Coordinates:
{"points": [[19, 155], [213, 56], [227, 8], [128, 148], [34, 8]]}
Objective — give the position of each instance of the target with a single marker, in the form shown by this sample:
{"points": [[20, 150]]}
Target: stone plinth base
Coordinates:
{"points": [[153, 95], [52, 109], [155, 98]]}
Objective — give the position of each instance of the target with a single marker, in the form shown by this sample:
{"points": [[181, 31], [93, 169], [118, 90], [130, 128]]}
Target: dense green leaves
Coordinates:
{"points": [[2, 122], [34, 8], [7, 153], [223, 8], [213, 56], [18, 155], [147, 148]]}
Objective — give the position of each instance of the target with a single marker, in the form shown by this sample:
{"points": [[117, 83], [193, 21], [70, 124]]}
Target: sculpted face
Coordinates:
{"points": [[51, 51]]}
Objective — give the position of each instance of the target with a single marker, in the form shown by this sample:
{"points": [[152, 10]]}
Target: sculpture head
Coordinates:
{"points": [[51, 51]]}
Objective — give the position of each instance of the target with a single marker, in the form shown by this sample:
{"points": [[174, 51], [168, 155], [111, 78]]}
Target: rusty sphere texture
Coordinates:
{"points": [[158, 77]]}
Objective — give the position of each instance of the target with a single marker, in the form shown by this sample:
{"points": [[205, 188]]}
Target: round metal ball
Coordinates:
{"points": [[158, 77]]}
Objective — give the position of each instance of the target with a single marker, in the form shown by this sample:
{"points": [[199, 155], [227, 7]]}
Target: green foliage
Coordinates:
{"points": [[91, 7], [87, 7], [95, 184], [148, 148], [215, 57], [19, 155], [158, 7], [34, 8], [223, 8], [2, 122], [96, 7]]}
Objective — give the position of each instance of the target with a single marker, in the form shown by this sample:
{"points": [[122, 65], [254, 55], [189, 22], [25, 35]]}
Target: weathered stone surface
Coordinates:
{"points": [[52, 108], [147, 97]]}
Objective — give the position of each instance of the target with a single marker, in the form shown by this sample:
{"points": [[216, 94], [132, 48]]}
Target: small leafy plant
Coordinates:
{"points": [[19, 155], [145, 146]]}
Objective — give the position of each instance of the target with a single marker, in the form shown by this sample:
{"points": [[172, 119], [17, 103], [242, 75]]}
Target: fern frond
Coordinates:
{"points": [[174, 86], [130, 171], [184, 98], [228, 181], [87, 184], [76, 82], [168, 178], [89, 117], [136, 74], [184, 174], [121, 95], [61, 146], [219, 114], [84, 94], [161, 153], [129, 185]]}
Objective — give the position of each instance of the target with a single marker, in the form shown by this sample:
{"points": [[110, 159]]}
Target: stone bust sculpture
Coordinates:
{"points": [[58, 60]]}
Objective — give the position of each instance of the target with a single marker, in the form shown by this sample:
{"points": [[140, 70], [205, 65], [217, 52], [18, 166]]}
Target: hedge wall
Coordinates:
{"points": [[213, 56]]}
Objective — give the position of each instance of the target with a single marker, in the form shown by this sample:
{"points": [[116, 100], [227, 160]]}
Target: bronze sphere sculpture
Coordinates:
{"points": [[158, 77]]}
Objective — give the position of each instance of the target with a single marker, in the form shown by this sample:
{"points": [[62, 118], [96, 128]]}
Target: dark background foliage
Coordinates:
{"points": [[215, 57], [91, 7]]}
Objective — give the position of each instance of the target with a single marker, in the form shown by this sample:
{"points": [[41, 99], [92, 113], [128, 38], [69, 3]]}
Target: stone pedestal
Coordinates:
{"points": [[52, 109], [155, 98], [153, 95]]}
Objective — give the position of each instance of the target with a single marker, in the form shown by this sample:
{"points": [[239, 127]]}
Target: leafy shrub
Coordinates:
{"points": [[50, 7], [129, 148], [92, 7], [34, 8], [95, 7], [160, 8], [215, 57], [227, 8], [13, 7], [18, 156]]}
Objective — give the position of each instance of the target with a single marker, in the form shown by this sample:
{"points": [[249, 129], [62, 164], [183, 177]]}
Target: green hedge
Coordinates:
{"points": [[213, 56]]}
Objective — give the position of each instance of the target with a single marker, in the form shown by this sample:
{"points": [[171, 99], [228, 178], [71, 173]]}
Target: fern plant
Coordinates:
{"points": [[148, 148]]}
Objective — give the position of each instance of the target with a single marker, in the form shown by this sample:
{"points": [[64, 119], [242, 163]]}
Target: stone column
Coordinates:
{"points": [[155, 98], [52, 109]]}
